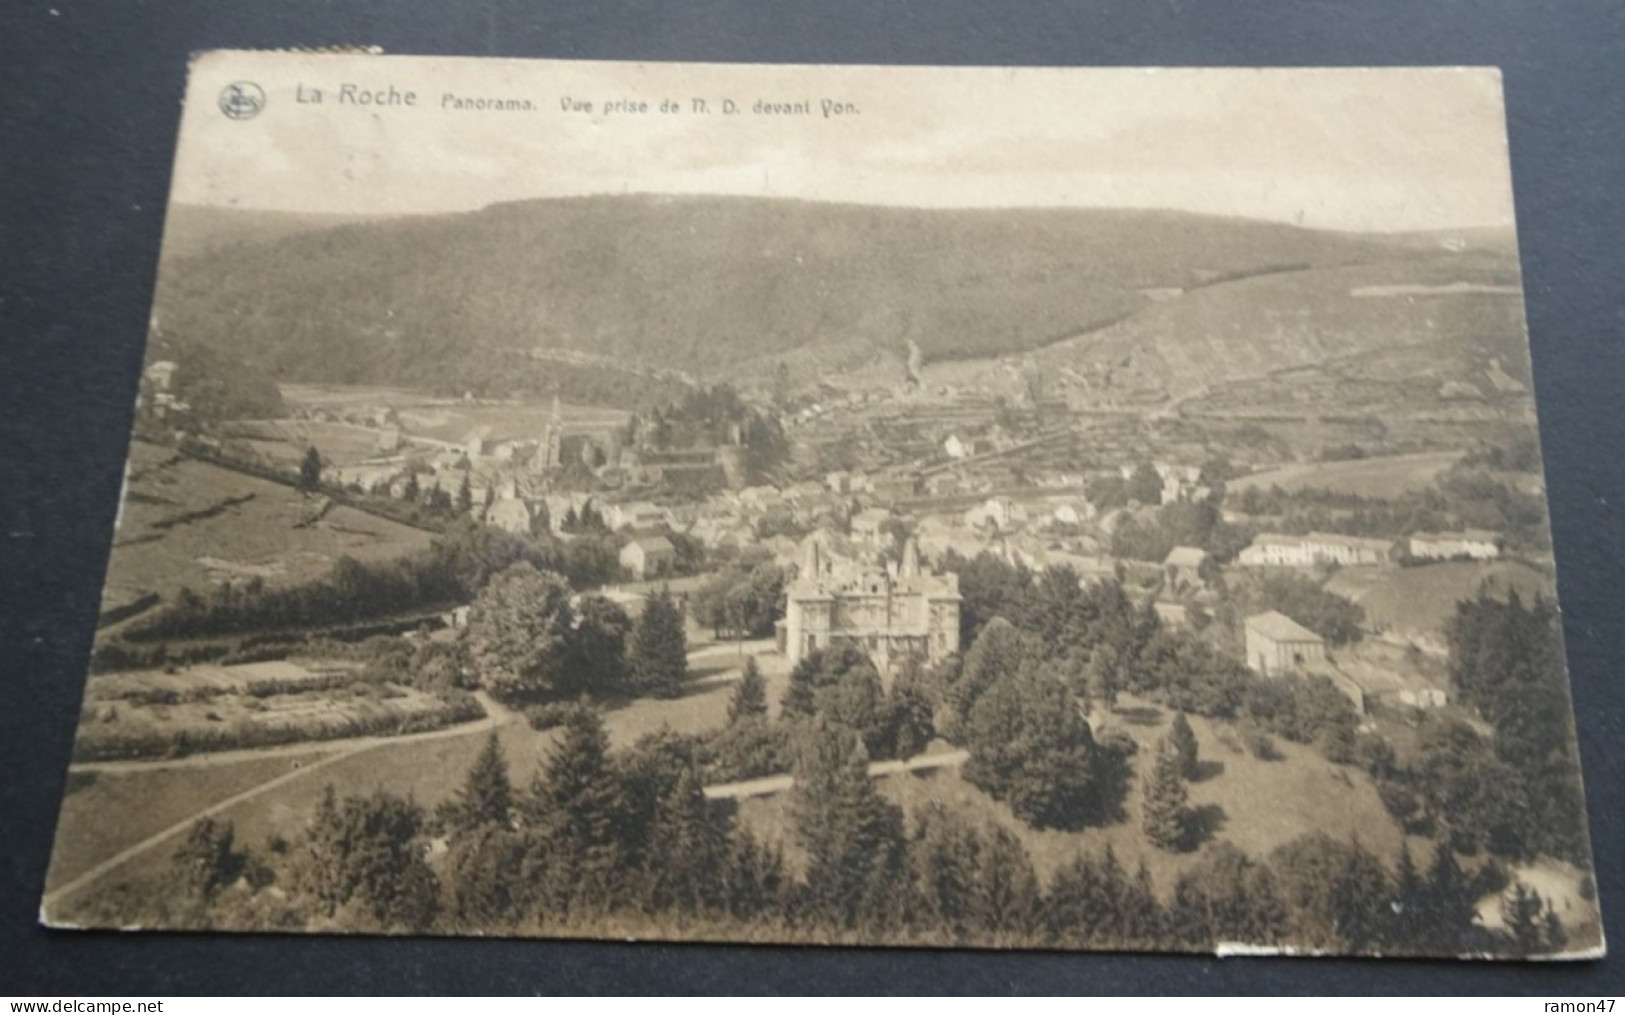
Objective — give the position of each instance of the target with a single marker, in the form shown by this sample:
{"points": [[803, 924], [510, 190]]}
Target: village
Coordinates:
{"points": [[358, 586], [873, 492]]}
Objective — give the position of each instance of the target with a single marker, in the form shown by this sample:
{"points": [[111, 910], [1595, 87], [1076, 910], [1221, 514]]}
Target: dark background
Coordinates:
{"points": [[89, 104]]}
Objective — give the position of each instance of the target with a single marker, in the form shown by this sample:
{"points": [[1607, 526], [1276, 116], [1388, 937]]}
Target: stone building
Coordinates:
{"points": [[892, 611]]}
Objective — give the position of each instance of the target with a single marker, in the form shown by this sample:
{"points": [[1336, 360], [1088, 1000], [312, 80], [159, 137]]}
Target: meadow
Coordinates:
{"points": [[189, 523], [1387, 477]]}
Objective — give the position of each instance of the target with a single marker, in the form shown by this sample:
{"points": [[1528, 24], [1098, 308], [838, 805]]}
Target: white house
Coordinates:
{"points": [[1278, 644], [1477, 544], [648, 557], [1184, 565], [637, 514], [1270, 549]]}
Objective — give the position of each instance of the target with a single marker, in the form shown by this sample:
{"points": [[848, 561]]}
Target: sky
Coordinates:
{"points": [[1389, 150]]}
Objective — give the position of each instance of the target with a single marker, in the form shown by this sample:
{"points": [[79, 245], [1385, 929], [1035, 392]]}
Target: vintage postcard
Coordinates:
{"points": [[1028, 508]]}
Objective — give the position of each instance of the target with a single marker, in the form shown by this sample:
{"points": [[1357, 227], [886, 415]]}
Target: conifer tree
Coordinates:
{"points": [[853, 837], [1448, 903], [1165, 818], [750, 695], [943, 856], [1006, 901], [754, 879], [486, 796], [321, 875], [575, 806], [310, 470], [1532, 927], [1407, 916], [1183, 739], [1359, 899], [1226, 896], [688, 851], [658, 659], [465, 496]]}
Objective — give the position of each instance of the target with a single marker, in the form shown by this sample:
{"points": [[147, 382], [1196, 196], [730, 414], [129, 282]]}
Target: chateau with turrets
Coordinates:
{"points": [[891, 610]]}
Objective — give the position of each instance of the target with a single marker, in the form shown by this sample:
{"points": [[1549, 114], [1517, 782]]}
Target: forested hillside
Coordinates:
{"points": [[698, 284]]}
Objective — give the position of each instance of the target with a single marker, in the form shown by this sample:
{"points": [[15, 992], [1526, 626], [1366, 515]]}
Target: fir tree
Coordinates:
{"points": [[310, 470], [465, 496], [1359, 901], [1406, 928], [853, 837], [321, 875], [486, 796], [1183, 740], [1006, 901], [754, 879], [688, 851], [943, 855], [1531, 926], [575, 806], [750, 695], [1448, 904], [1226, 896], [658, 660], [1165, 817]]}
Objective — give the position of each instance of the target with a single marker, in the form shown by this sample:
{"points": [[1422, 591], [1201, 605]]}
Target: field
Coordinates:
{"points": [[1257, 805], [441, 419], [214, 708], [188, 523], [1387, 477], [1415, 602], [105, 810], [202, 680], [108, 808]]}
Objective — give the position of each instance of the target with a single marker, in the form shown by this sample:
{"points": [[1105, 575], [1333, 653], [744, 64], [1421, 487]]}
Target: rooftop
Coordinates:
{"points": [[1186, 556], [1277, 626]]}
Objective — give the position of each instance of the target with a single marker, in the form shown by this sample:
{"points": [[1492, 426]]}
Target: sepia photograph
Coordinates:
{"points": [[1071, 509]]}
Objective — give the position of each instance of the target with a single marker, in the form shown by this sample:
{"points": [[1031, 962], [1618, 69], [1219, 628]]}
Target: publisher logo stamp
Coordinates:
{"points": [[242, 100]]}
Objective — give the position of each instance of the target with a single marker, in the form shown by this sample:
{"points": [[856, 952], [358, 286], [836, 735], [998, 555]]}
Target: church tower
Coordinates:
{"points": [[549, 452]]}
